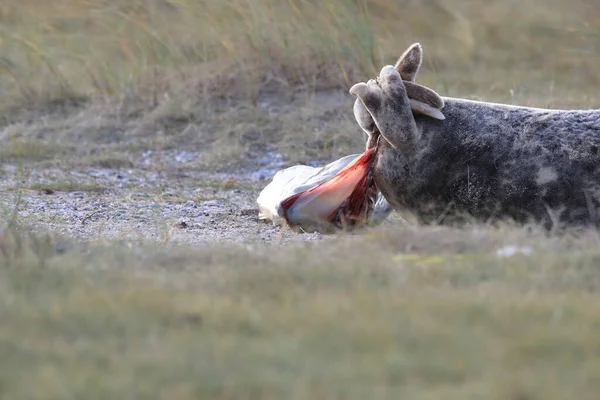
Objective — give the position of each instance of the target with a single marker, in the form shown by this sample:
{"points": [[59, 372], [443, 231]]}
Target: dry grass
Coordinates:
{"points": [[423, 313], [151, 49], [19, 150], [419, 314], [235, 78]]}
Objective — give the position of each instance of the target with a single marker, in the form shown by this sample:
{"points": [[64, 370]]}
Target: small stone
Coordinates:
{"points": [[212, 203], [182, 225]]}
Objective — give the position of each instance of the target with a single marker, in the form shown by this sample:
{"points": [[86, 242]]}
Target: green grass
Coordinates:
{"points": [[349, 319]]}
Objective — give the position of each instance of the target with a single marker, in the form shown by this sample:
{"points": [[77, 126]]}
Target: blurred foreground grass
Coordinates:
{"points": [[422, 313], [414, 313]]}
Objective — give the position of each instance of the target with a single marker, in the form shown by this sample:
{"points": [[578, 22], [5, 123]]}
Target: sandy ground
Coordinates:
{"points": [[133, 203]]}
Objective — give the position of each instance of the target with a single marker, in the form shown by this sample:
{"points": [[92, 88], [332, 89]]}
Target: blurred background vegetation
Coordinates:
{"points": [[542, 52]]}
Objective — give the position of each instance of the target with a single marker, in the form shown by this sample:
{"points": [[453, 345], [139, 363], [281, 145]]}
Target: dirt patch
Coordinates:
{"points": [[101, 203], [178, 187]]}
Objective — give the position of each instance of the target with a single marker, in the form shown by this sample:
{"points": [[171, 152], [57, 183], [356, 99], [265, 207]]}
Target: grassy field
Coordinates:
{"points": [[416, 313], [120, 88]]}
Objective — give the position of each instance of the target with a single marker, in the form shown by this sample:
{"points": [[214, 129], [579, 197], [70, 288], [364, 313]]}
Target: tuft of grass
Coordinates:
{"points": [[25, 149], [361, 316], [108, 160]]}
